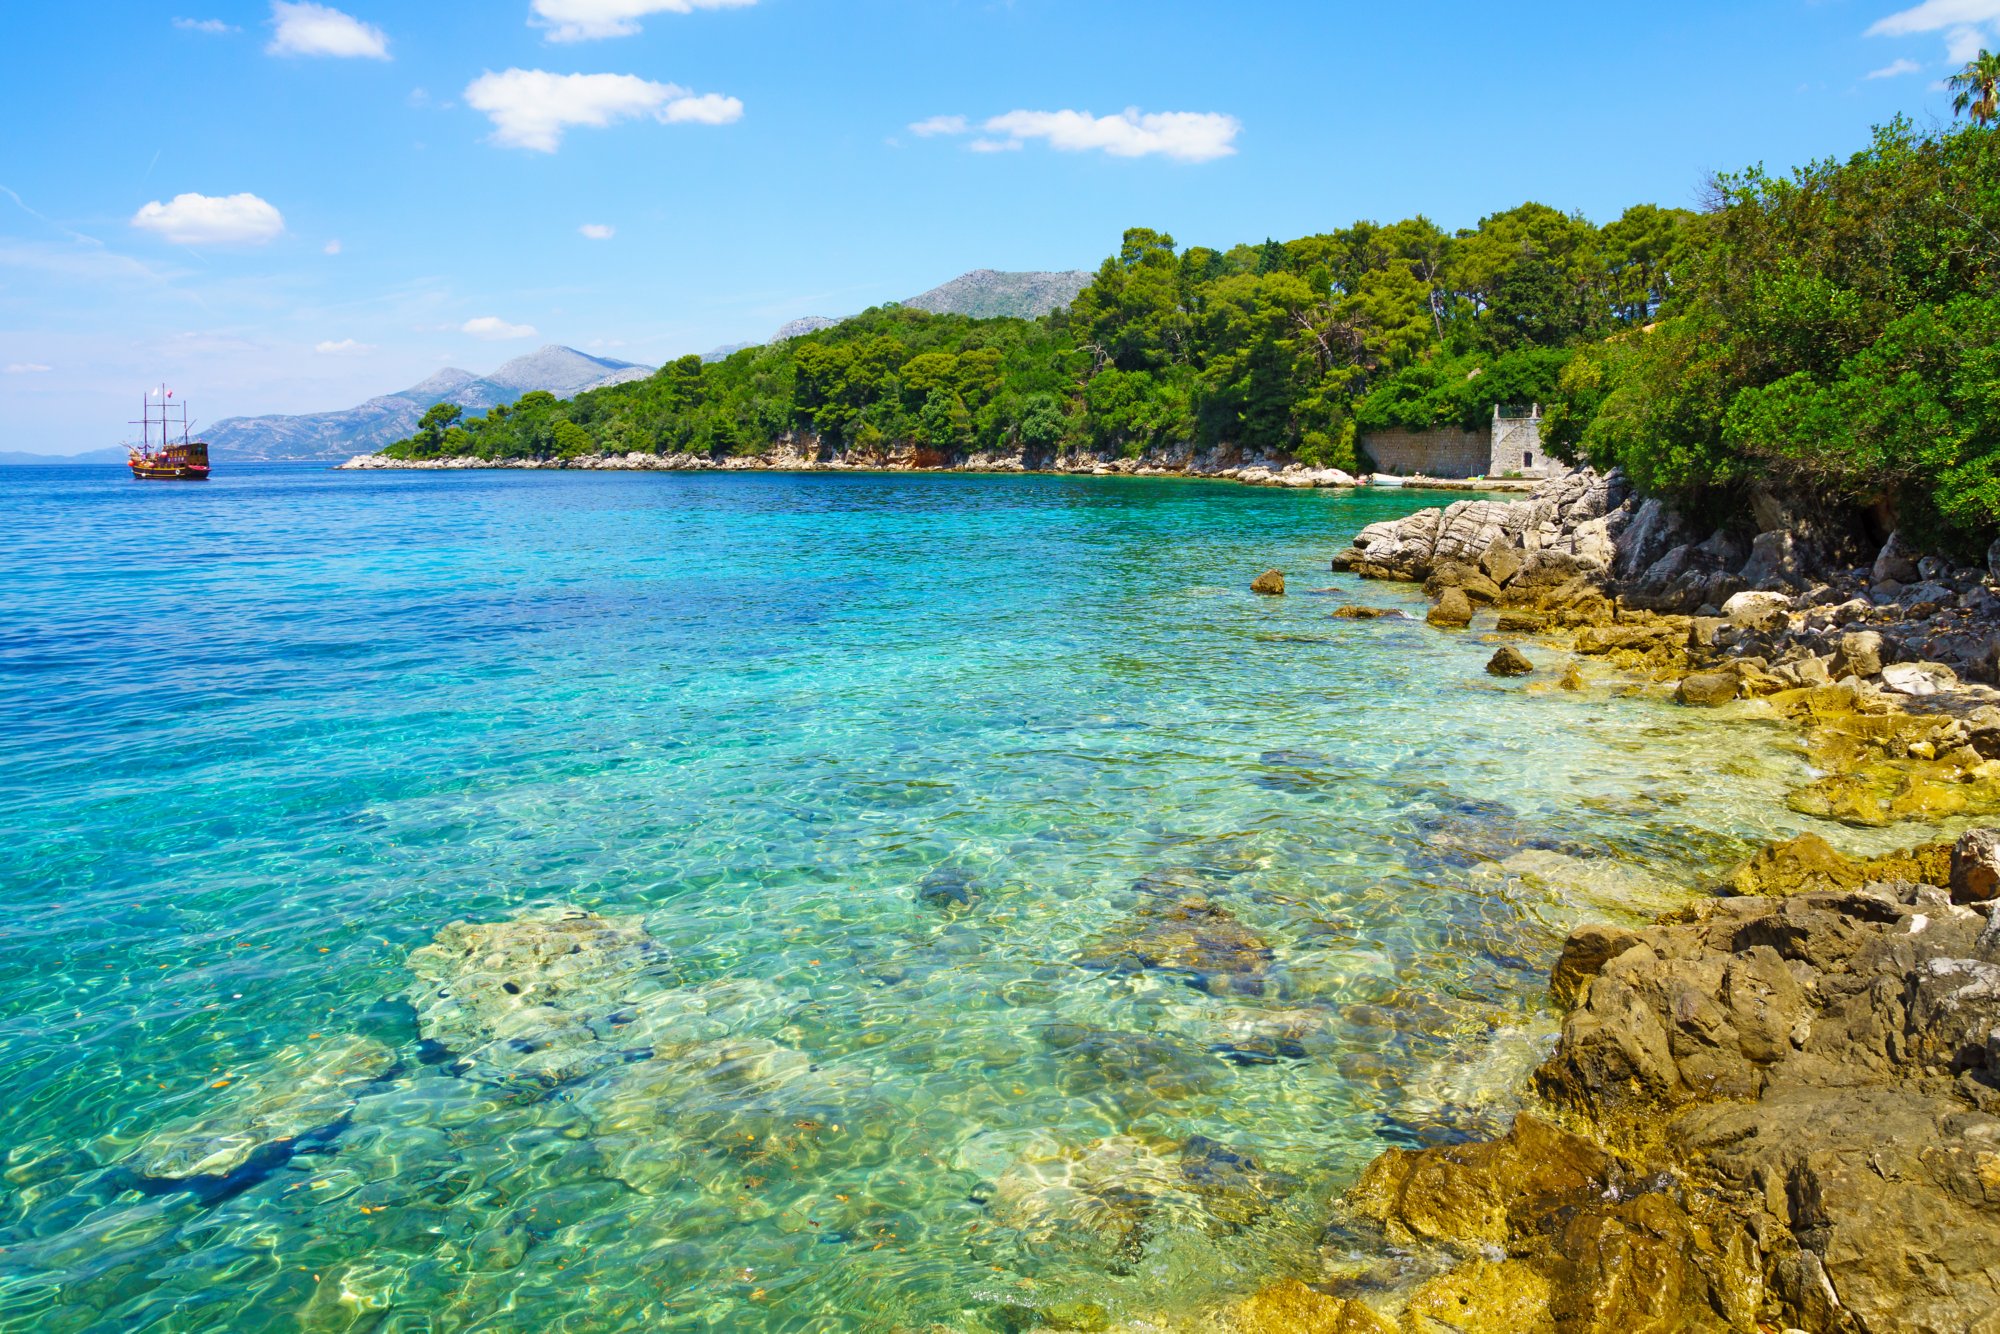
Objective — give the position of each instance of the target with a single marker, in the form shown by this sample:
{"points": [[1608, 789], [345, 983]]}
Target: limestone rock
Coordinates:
{"points": [[1758, 611], [1189, 935], [1584, 955], [1918, 678], [1509, 662], [1975, 866], [1572, 678], [1270, 583], [1708, 689], [1291, 1307], [1808, 864], [1453, 610], [298, 1090], [1351, 613]]}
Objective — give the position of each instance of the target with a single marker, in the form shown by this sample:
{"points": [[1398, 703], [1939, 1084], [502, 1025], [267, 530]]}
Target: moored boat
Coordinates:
{"points": [[182, 460]]}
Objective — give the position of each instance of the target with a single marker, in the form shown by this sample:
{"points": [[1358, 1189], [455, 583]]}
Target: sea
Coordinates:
{"points": [[1048, 927]]}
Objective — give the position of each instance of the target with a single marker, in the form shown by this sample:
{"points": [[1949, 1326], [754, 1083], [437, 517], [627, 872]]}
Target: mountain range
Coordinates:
{"points": [[562, 371]]}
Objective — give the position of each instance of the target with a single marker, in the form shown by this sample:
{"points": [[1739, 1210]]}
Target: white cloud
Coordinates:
{"points": [[1963, 44], [27, 368], [346, 347], [598, 231], [995, 145], [213, 27], [531, 108], [493, 327], [1186, 136], [331, 247], [193, 219], [1935, 16], [1895, 69], [586, 20], [307, 29], [940, 125]]}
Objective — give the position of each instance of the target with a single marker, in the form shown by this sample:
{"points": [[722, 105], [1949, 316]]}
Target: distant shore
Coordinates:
{"points": [[1255, 471]]}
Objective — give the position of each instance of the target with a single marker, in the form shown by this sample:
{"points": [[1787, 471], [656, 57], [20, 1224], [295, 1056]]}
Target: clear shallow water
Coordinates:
{"points": [[261, 739]]}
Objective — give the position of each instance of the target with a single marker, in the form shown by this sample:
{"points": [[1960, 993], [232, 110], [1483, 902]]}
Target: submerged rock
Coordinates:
{"points": [[1368, 614], [298, 1090], [1706, 690], [1509, 662], [1187, 934], [1292, 1307], [1270, 583], [1809, 864]]}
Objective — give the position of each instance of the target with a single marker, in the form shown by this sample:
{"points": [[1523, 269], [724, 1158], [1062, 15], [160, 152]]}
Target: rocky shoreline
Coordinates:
{"points": [[1778, 1107], [1230, 465]]}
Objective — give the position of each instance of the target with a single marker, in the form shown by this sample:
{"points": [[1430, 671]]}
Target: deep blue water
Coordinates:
{"points": [[262, 738]]}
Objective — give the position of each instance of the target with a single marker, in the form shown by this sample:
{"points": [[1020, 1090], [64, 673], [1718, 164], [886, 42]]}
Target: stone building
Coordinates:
{"points": [[1510, 446]]}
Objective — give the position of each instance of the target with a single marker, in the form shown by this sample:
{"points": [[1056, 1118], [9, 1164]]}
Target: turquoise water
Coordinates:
{"points": [[874, 774]]}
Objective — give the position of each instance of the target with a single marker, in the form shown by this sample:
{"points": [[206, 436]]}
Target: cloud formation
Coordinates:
{"points": [[346, 347], [1936, 16], [331, 247], [1185, 136], [27, 368], [306, 29], [598, 231], [496, 329], [531, 108], [193, 219], [1895, 69], [587, 20], [213, 27]]}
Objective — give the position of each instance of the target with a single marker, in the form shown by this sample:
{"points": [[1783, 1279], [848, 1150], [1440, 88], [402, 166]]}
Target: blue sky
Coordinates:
{"points": [[283, 207]]}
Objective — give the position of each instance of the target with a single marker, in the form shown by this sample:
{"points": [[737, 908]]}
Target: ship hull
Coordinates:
{"points": [[169, 473]]}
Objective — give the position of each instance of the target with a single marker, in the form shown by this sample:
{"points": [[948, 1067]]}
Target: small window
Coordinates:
{"points": [[1527, 460]]}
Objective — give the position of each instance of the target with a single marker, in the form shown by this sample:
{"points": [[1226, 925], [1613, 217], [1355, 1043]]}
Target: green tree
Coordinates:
{"points": [[431, 428], [1976, 89]]}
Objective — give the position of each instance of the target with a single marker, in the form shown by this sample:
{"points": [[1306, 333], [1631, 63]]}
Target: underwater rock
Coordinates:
{"points": [[1150, 1064], [947, 887], [1368, 614], [1271, 583], [296, 1091], [1190, 935], [1509, 662]]}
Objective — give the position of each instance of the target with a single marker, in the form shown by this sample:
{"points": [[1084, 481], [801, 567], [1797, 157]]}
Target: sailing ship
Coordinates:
{"points": [[182, 460]]}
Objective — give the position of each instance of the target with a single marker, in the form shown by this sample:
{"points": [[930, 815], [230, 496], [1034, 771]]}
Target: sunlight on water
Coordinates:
{"points": [[1000, 910]]}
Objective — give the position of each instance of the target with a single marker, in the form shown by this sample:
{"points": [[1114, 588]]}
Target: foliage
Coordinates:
{"points": [[1976, 88], [1830, 336], [1294, 346]]}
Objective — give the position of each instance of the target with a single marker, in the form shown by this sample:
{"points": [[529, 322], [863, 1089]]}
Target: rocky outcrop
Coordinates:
{"points": [[1780, 1112], [1271, 583]]}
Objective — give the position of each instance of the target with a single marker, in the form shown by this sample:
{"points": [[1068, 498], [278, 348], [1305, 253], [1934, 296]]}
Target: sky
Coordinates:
{"points": [[289, 207]]}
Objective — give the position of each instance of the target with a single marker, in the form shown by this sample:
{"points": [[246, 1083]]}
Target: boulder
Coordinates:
{"points": [[1453, 610], [1521, 623], [1773, 561], [1918, 678], [1857, 654], [1897, 561], [1572, 678], [1270, 583], [1975, 866], [1706, 690], [1501, 563], [1509, 661], [1352, 613], [1762, 612]]}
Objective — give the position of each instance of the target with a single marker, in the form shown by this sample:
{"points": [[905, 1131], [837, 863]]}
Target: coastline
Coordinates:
{"points": [[1221, 465], [1781, 1100]]}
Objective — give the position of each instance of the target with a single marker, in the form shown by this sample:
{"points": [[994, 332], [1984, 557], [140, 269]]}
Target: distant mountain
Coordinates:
{"points": [[987, 294], [113, 454], [563, 371], [983, 294]]}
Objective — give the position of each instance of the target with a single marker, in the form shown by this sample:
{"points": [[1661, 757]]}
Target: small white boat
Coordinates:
{"points": [[1384, 479]]}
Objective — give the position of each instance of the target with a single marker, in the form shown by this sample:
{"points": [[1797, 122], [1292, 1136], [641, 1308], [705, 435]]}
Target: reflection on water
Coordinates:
{"points": [[881, 902]]}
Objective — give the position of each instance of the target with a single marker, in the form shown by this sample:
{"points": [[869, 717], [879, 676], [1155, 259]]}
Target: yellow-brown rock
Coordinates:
{"points": [[1809, 864], [1291, 1307], [1511, 1297]]}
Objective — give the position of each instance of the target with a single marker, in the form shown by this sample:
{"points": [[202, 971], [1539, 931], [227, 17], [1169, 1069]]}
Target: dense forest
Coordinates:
{"points": [[1834, 331]]}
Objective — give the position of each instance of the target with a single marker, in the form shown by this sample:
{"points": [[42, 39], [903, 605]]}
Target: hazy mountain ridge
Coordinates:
{"points": [[982, 294], [562, 371]]}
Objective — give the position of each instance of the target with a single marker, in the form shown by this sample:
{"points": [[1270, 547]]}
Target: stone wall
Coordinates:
{"points": [[1448, 452], [1517, 446]]}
